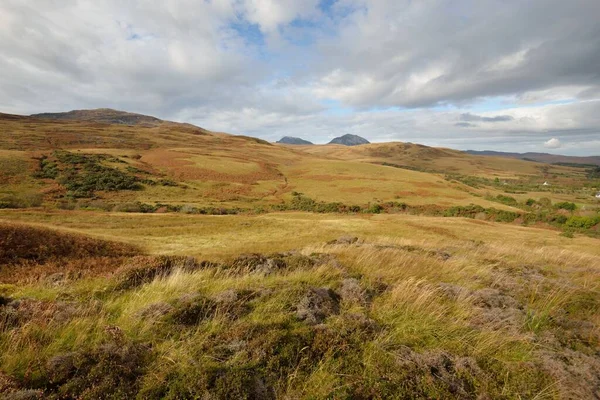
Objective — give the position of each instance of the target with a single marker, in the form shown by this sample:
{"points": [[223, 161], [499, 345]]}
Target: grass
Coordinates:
{"points": [[435, 312], [218, 170], [134, 294], [218, 235]]}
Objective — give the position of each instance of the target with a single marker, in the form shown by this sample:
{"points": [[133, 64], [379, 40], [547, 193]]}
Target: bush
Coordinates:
{"points": [[503, 216], [558, 219], [47, 169], [581, 222], [565, 205], [509, 201], [83, 174], [374, 209], [530, 202], [464, 211]]}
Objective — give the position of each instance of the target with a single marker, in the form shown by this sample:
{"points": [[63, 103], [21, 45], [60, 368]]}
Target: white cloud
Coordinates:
{"points": [[553, 143], [270, 14], [384, 69]]}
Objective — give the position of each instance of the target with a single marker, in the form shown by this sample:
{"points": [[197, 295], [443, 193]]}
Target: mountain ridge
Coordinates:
{"points": [[294, 140], [349, 140]]}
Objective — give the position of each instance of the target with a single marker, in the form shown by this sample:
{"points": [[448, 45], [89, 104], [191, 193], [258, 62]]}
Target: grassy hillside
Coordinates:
{"points": [[412, 307], [181, 165], [378, 271]]}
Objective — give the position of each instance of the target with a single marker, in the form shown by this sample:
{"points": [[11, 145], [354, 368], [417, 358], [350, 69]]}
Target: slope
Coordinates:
{"points": [[72, 163]]}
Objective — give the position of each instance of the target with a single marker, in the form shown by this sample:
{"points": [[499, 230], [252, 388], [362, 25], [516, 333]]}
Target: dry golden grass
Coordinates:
{"points": [[351, 306], [438, 307], [221, 236], [216, 169]]}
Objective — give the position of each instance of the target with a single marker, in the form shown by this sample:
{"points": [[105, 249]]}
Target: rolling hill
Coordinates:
{"points": [[540, 157], [346, 271], [106, 158]]}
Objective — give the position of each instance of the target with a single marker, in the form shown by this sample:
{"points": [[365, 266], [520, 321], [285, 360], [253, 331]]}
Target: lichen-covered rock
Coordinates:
{"points": [[317, 304]]}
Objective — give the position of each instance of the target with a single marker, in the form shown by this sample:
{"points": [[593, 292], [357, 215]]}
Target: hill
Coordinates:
{"points": [[103, 115], [349, 140], [168, 167], [86, 163], [293, 140], [541, 157], [160, 260]]}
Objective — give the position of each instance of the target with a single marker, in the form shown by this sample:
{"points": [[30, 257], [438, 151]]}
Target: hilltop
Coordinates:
{"points": [[293, 140], [349, 140], [65, 161], [102, 115], [154, 165]]}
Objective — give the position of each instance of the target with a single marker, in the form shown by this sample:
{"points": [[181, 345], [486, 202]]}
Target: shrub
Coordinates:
{"points": [[558, 219], [581, 222], [83, 183], [464, 211], [302, 203], [508, 200], [565, 205], [136, 207], [530, 202], [83, 174], [374, 209], [113, 369], [46, 169], [167, 182], [503, 216]]}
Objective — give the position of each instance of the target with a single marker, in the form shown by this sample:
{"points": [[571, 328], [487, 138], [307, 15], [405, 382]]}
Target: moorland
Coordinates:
{"points": [[142, 258]]}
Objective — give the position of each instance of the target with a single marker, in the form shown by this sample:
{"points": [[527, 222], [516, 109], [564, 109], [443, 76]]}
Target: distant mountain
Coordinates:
{"points": [[540, 157], [102, 115], [349, 140], [293, 140]]}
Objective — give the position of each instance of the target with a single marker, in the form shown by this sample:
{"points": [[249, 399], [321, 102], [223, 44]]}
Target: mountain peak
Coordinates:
{"points": [[293, 140], [349, 140]]}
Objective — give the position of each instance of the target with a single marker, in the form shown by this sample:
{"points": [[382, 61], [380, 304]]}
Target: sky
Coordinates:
{"points": [[504, 75]]}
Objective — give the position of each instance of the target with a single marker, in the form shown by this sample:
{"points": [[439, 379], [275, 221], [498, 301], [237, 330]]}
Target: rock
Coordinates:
{"points": [[258, 263], [317, 304], [352, 292]]}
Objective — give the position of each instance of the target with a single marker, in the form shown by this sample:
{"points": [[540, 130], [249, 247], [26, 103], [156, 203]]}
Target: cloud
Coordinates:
{"points": [[553, 143], [503, 75], [465, 124], [473, 117], [415, 54]]}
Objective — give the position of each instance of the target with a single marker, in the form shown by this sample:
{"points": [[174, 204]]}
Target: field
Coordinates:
{"points": [[160, 260]]}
